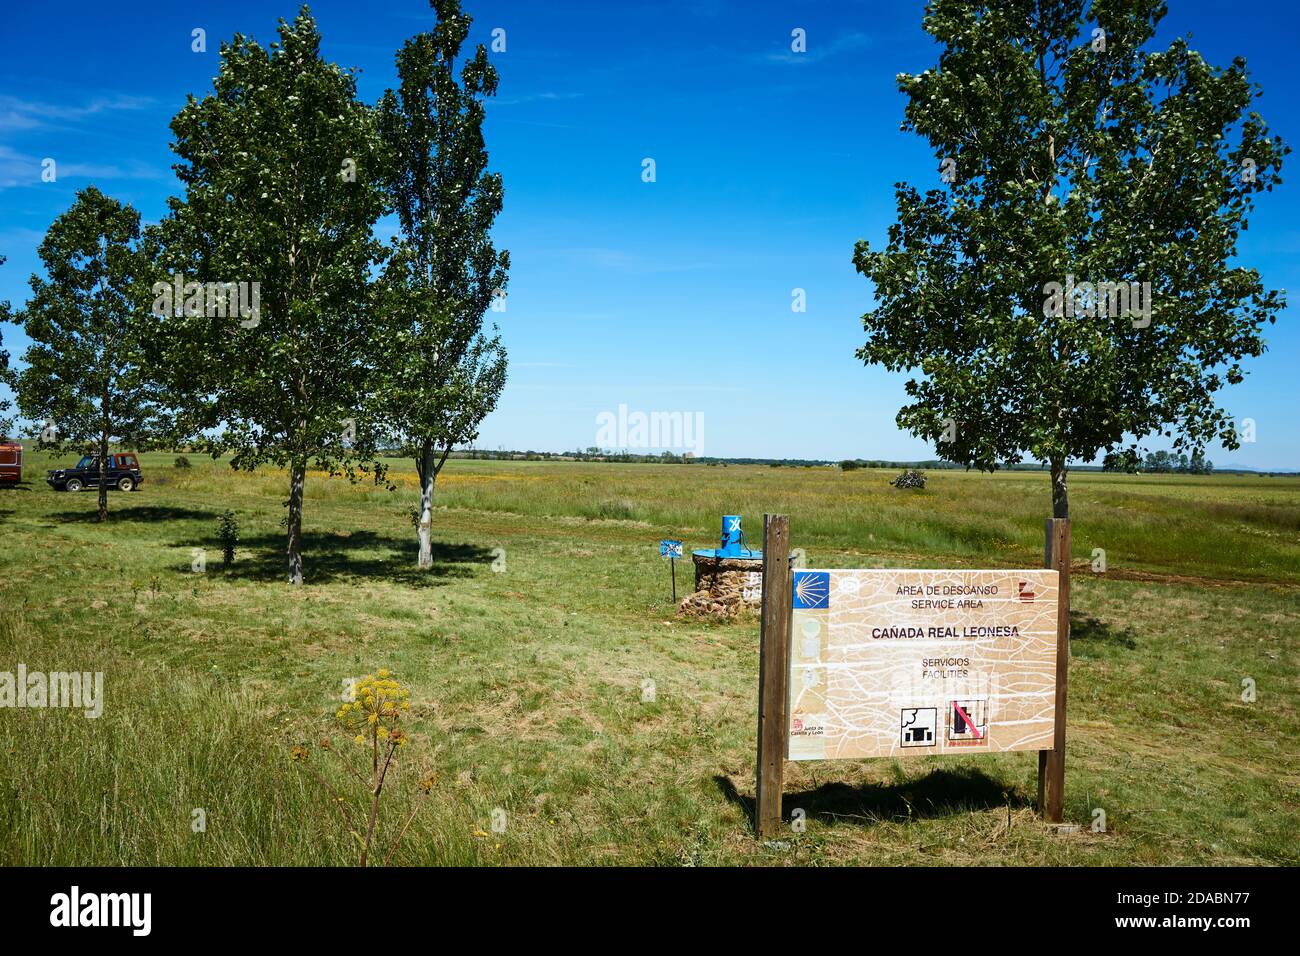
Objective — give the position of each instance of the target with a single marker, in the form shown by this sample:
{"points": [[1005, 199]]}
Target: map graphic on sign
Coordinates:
{"points": [[670, 549], [887, 663]]}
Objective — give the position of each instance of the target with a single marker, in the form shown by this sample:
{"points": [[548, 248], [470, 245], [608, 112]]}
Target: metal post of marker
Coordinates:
{"points": [[672, 550]]}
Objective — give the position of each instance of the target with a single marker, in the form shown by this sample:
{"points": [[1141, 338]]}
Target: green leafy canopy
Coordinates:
{"points": [[87, 371], [281, 172], [1075, 152], [7, 377], [446, 374]]}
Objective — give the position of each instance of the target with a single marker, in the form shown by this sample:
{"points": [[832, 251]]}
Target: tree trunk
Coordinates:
{"points": [[1060, 492], [297, 477], [103, 476], [428, 475]]}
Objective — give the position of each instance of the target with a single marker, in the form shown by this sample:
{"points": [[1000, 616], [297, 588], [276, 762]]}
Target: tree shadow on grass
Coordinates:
{"points": [[327, 557], [147, 514], [939, 793], [1092, 632]]}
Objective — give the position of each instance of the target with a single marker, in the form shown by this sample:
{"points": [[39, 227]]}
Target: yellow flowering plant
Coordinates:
{"points": [[372, 717]]}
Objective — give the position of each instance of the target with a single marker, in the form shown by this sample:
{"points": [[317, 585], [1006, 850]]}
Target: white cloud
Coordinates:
{"points": [[20, 114], [816, 52], [19, 169], [534, 98]]}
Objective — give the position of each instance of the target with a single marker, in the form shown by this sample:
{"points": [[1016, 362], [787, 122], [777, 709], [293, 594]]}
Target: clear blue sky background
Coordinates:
{"points": [[671, 296]]}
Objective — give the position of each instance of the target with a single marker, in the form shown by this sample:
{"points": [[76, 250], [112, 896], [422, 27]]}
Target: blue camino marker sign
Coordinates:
{"points": [[672, 550]]}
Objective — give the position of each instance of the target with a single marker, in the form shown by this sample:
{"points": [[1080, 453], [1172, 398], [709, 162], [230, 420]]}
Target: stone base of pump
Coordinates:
{"points": [[724, 587]]}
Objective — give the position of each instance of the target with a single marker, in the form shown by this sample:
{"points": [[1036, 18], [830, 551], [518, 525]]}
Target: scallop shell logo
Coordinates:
{"points": [[812, 589]]}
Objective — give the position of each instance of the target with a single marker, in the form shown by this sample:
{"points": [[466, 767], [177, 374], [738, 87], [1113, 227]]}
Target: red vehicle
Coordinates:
{"points": [[11, 461]]}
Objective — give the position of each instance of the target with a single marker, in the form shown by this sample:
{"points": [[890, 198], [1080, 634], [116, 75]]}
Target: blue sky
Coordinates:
{"points": [[665, 296]]}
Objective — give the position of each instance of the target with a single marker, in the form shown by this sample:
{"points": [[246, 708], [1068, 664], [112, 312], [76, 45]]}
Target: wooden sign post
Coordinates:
{"points": [[1051, 763], [773, 674], [858, 663]]}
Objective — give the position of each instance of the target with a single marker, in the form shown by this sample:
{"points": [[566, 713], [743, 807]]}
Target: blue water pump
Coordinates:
{"points": [[733, 543]]}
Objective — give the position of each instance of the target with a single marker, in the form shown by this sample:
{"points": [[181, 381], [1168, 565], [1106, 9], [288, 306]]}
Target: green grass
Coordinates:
{"points": [[526, 684]]}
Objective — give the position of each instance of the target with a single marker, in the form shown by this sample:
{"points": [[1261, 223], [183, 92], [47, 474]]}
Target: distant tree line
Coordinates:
{"points": [[852, 464], [588, 454], [593, 453], [1166, 462]]}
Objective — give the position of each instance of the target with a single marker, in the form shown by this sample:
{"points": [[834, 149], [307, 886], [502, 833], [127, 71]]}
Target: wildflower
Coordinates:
{"points": [[298, 754], [375, 702]]}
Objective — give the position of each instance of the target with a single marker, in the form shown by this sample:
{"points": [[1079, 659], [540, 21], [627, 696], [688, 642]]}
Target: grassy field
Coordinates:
{"points": [[526, 684]]}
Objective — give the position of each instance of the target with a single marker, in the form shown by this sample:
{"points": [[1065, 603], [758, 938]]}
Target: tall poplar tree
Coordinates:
{"points": [[1076, 169], [6, 373], [88, 318], [446, 374], [280, 165]]}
